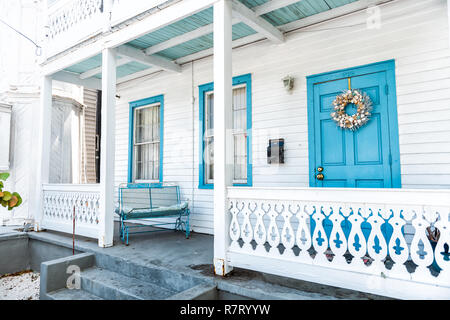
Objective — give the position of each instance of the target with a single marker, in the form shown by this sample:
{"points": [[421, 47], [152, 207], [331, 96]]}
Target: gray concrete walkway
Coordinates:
{"points": [[194, 256]]}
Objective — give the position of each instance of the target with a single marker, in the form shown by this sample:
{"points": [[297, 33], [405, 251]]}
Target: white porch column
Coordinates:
{"points": [[223, 160], [107, 155], [43, 150]]}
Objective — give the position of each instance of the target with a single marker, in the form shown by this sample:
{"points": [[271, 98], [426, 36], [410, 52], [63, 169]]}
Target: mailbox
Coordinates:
{"points": [[275, 151]]}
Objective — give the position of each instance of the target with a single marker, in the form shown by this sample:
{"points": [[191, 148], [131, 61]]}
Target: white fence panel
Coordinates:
{"points": [[66, 205], [362, 239], [71, 22]]}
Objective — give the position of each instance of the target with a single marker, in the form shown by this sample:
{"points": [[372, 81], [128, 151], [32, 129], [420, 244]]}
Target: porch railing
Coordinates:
{"points": [[61, 202], [367, 240], [70, 22]]}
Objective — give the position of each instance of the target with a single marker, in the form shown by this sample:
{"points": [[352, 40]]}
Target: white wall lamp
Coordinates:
{"points": [[288, 83]]}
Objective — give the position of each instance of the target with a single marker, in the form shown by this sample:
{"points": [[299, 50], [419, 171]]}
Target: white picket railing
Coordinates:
{"points": [[71, 22], [338, 237], [61, 202]]}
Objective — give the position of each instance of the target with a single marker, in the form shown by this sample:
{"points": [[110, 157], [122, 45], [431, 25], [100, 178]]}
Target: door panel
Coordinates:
{"points": [[352, 159]]}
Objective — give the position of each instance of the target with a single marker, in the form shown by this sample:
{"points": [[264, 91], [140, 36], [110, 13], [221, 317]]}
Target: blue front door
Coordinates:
{"points": [[367, 157]]}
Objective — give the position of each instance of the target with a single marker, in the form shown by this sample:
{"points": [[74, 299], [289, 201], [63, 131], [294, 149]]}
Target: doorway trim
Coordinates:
{"points": [[394, 144]]}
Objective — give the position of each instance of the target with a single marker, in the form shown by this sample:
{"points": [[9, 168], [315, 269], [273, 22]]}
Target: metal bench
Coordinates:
{"points": [[147, 201]]}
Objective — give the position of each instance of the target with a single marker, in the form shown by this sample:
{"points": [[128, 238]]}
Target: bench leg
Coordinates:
{"points": [[187, 225], [121, 229]]}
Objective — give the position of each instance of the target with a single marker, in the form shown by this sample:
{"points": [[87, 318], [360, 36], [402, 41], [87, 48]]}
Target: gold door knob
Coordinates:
{"points": [[320, 169], [320, 176]]}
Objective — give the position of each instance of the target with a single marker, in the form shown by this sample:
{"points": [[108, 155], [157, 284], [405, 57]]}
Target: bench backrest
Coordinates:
{"points": [[144, 195]]}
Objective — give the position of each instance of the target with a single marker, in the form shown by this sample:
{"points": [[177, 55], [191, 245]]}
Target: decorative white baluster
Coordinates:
{"points": [[376, 243], [421, 249], [442, 250], [319, 238], [303, 234], [287, 233], [273, 234], [259, 232], [398, 248], [247, 230], [338, 242], [356, 241], [235, 230]]}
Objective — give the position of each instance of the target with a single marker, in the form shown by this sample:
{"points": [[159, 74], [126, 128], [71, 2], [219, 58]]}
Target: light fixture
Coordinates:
{"points": [[288, 83]]}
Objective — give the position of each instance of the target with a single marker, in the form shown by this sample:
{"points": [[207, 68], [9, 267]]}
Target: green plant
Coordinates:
{"points": [[8, 199]]}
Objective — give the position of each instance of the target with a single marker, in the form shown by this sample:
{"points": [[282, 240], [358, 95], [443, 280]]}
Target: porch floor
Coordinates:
{"points": [[170, 250]]}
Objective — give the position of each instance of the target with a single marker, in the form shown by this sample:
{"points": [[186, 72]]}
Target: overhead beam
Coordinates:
{"points": [[194, 34], [138, 74], [74, 78], [209, 52], [273, 5], [92, 72], [139, 56], [250, 18], [330, 14]]}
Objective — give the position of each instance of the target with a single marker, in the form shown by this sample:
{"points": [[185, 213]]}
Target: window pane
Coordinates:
{"points": [[240, 157], [143, 125], [209, 160], [155, 123], [155, 175], [210, 113], [147, 124], [240, 108], [147, 162]]}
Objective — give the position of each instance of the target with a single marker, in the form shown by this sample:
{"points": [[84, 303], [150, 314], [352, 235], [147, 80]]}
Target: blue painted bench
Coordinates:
{"points": [[148, 201]]}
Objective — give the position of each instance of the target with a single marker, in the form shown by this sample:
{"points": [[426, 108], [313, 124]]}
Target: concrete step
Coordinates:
{"points": [[110, 285], [259, 290], [168, 278], [67, 294]]}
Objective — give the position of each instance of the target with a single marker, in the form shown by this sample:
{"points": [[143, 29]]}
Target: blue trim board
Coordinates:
{"points": [[141, 103], [243, 79], [385, 66]]}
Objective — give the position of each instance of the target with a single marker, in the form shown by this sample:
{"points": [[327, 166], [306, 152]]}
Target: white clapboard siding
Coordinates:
{"points": [[90, 117], [414, 33]]}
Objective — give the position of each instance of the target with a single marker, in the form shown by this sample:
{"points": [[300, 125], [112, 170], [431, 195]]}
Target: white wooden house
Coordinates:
{"points": [[74, 117], [254, 71]]}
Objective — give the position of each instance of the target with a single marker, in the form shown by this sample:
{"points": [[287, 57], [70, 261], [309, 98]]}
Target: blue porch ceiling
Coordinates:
{"points": [[296, 11]]}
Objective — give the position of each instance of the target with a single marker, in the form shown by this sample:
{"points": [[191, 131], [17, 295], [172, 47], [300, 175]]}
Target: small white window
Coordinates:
{"points": [[5, 127], [146, 143]]}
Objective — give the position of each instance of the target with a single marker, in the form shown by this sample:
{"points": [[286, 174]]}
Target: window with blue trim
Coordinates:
{"points": [[146, 140], [242, 125]]}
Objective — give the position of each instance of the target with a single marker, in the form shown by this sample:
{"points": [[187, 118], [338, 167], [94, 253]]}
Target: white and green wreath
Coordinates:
{"points": [[363, 112]]}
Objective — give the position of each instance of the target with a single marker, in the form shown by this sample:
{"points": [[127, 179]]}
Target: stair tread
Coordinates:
{"points": [[67, 294], [128, 286], [261, 290]]}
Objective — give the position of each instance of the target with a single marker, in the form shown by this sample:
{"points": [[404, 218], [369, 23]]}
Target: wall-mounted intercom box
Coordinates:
{"points": [[275, 151]]}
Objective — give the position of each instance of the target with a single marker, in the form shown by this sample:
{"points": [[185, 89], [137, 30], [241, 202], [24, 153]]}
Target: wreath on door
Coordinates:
{"points": [[360, 118]]}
